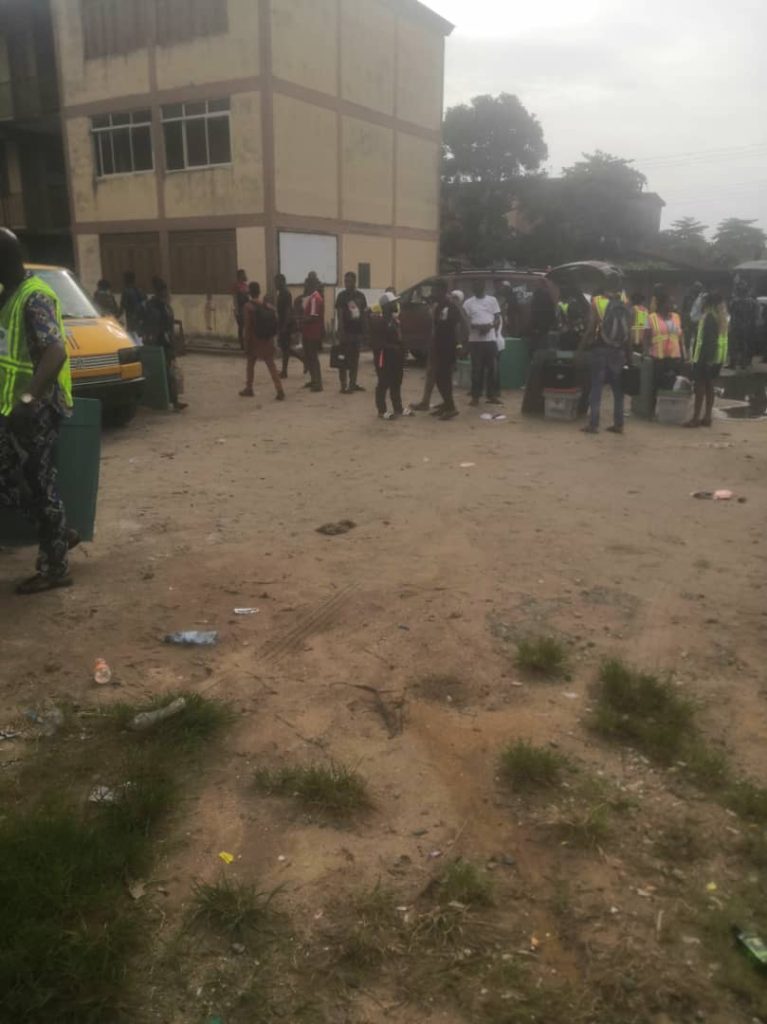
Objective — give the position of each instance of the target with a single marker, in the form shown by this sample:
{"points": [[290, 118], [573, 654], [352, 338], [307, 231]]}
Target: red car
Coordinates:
{"points": [[514, 287]]}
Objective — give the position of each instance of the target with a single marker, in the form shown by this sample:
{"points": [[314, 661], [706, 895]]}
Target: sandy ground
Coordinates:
{"points": [[547, 530]]}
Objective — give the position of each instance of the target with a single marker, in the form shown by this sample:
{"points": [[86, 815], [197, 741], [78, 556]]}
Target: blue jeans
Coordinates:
{"points": [[606, 368]]}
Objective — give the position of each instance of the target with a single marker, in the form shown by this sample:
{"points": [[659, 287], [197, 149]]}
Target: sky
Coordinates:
{"points": [[680, 87]]}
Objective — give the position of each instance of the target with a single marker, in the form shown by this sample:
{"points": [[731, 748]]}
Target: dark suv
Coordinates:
{"points": [[415, 311]]}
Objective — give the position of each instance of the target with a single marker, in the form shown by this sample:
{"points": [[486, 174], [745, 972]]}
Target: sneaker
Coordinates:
{"points": [[615, 430], [386, 416], [356, 387], [437, 410], [449, 414], [345, 391], [407, 412], [246, 393]]}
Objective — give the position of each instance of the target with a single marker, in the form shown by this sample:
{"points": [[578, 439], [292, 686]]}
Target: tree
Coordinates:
{"points": [[489, 145], [601, 170], [737, 240], [493, 139], [686, 240]]}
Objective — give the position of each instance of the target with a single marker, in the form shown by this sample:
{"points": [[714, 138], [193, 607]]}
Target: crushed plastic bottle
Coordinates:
{"points": [[147, 719], [193, 638], [102, 673]]}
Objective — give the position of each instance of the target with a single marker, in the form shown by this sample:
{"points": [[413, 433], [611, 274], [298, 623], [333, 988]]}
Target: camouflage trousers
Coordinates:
{"points": [[28, 483]]}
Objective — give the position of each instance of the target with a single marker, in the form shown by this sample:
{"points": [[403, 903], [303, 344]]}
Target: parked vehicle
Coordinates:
{"points": [[415, 310], [106, 361]]}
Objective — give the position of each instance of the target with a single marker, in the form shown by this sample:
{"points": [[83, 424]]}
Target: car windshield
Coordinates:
{"points": [[75, 304]]}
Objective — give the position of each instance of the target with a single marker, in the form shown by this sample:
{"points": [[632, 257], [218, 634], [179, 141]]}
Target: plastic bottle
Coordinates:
{"points": [[102, 673]]}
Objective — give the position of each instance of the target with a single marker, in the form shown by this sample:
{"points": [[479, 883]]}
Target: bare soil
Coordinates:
{"points": [[390, 648]]}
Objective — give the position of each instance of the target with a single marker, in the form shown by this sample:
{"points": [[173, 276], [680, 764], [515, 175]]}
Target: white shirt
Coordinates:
{"points": [[482, 313]]}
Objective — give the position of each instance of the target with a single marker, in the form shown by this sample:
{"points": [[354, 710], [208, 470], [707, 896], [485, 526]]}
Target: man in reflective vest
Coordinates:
{"points": [[35, 394]]}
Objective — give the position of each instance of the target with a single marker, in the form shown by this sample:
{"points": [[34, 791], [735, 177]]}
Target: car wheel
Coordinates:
{"points": [[119, 415]]}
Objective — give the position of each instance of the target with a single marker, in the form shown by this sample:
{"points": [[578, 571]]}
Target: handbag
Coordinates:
{"points": [[631, 381], [338, 358]]}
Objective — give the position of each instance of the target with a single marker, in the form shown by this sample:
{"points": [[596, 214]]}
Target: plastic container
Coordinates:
{"points": [[155, 393], [643, 404], [463, 375], [79, 463], [561, 403], [515, 364], [673, 407]]}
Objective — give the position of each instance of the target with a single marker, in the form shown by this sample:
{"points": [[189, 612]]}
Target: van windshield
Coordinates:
{"points": [[75, 304]]}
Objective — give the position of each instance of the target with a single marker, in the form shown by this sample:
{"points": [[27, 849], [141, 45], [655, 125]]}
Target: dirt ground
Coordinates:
{"points": [[469, 535]]}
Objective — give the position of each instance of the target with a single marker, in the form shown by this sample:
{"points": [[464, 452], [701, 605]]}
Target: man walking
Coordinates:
{"points": [[313, 329], [447, 326], [239, 299], [35, 395], [259, 331], [286, 323], [132, 304], [609, 337], [484, 316], [352, 310]]}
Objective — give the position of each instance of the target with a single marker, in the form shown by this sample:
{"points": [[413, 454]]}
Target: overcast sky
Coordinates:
{"points": [[678, 85]]}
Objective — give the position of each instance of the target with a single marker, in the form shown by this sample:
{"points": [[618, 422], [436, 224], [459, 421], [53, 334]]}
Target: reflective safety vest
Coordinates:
{"points": [[641, 318], [16, 369], [722, 343], [600, 303], [666, 336]]}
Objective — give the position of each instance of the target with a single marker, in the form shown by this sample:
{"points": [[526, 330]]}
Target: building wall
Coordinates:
{"points": [[335, 129], [315, 66], [100, 199], [373, 249], [305, 158], [238, 189], [88, 255]]}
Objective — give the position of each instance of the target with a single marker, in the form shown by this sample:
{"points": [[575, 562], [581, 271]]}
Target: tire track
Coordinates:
{"points": [[307, 625]]}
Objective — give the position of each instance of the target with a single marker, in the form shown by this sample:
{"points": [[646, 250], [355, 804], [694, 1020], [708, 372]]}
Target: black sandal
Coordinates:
{"points": [[39, 584]]}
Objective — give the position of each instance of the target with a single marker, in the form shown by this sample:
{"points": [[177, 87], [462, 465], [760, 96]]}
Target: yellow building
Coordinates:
{"points": [[273, 135]]}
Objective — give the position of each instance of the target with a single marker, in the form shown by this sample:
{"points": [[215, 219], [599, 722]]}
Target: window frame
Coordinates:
{"points": [[99, 133], [205, 116]]}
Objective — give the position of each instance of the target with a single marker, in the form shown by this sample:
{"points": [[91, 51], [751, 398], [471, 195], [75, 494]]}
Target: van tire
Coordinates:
{"points": [[119, 415]]}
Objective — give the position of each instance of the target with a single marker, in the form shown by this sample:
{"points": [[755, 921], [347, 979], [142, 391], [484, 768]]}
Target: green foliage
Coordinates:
{"points": [[544, 655], [332, 789], [463, 882], [199, 722], [232, 908], [737, 240], [525, 767], [643, 710]]}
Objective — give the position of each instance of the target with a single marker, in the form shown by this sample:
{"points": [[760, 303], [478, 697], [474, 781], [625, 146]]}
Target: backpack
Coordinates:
{"points": [[616, 326], [266, 321]]}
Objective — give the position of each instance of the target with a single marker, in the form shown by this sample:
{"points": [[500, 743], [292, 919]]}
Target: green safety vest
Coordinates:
{"points": [[16, 369], [722, 344]]}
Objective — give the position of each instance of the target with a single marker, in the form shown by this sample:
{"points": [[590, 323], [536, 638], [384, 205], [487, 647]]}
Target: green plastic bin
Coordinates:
{"points": [[515, 364], [155, 394], [79, 462]]}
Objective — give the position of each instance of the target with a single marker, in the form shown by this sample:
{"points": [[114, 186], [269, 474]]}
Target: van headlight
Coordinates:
{"points": [[129, 355]]}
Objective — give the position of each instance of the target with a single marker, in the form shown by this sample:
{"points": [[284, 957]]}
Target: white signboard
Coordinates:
{"points": [[300, 253]]}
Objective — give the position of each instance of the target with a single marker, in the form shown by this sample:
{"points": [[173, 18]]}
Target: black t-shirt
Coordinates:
{"points": [[285, 310], [447, 319], [351, 307]]}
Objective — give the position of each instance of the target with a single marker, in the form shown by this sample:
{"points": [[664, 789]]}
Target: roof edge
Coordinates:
{"points": [[416, 11]]}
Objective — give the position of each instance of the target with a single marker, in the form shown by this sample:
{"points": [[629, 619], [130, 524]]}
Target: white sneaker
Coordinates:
{"points": [[408, 412], [386, 415]]}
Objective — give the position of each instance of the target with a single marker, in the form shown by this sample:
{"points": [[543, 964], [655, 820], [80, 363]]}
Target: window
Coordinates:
{"points": [[122, 143], [202, 262], [363, 275], [196, 134], [113, 27], [178, 21]]}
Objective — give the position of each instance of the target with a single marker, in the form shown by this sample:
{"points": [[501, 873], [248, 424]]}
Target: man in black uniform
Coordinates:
{"points": [[352, 309]]}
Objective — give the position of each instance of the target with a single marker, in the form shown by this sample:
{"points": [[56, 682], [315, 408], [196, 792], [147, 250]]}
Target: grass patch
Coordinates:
{"points": [[69, 926], [747, 800], [331, 789], [543, 655], [199, 722], [584, 826], [525, 767], [232, 908], [707, 768], [463, 882], [643, 710], [682, 843]]}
